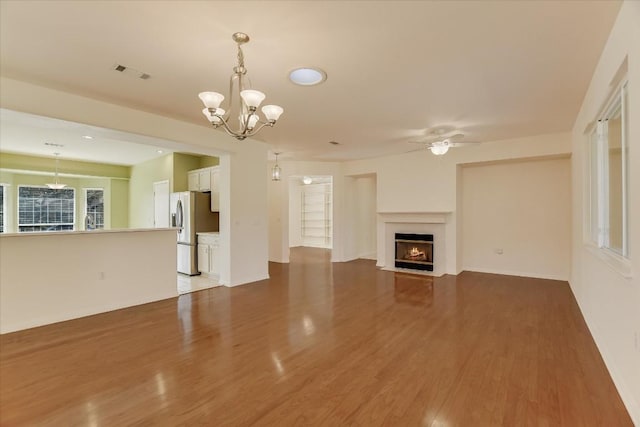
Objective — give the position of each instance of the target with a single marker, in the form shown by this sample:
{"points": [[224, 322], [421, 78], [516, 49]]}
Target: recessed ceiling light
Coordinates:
{"points": [[160, 151], [87, 136], [307, 76]]}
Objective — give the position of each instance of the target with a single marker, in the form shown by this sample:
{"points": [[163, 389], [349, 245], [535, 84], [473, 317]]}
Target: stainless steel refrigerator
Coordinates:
{"points": [[191, 214]]}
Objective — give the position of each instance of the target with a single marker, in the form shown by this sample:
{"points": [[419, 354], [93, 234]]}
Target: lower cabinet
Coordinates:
{"points": [[208, 255], [203, 259]]}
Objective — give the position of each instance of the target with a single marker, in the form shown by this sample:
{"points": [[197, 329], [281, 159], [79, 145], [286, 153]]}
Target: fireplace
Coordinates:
{"points": [[414, 251]]}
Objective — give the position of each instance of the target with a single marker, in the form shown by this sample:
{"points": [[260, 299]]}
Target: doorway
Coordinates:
{"points": [[311, 211], [161, 204]]}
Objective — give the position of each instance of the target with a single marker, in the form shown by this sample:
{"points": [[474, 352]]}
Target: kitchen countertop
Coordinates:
{"points": [[78, 232]]}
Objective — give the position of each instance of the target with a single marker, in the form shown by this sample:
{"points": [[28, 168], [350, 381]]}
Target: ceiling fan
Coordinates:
{"points": [[439, 140]]}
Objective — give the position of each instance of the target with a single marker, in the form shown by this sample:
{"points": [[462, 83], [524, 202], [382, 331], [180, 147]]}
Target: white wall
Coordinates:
{"points": [[522, 208], [295, 214], [422, 182], [365, 215], [243, 221], [51, 277], [610, 302]]}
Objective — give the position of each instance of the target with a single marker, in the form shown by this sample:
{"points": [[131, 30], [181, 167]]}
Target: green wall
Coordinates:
{"points": [[128, 189], [143, 176], [182, 164], [119, 203], [114, 208], [208, 161], [47, 164]]}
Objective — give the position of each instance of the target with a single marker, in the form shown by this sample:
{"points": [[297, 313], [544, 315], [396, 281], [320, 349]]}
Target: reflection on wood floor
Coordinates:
{"points": [[320, 344]]}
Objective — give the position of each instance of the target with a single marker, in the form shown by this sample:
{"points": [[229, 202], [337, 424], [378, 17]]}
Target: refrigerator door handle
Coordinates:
{"points": [[179, 214]]}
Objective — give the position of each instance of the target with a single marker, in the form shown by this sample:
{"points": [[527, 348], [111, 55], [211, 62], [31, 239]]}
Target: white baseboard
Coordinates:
{"points": [[82, 312], [516, 273], [618, 380], [246, 281], [368, 255]]}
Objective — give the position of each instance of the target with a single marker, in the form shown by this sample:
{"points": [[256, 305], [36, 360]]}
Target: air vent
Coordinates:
{"points": [[334, 143], [53, 144], [131, 72]]}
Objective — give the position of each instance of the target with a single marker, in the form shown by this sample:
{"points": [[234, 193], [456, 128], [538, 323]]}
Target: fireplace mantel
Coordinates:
{"points": [[432, 222], [415, 217]]}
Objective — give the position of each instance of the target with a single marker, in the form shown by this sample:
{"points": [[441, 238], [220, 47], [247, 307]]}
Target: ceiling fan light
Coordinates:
{"points": [[253, 98], [272, 112], [439, 149], [211, 99]]}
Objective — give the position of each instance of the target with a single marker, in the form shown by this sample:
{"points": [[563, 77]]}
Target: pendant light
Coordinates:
{"points": [[56, 185], [276, 171]]}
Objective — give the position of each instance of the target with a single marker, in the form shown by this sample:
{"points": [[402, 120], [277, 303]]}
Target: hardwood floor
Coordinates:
{"points": [[320, 344]]}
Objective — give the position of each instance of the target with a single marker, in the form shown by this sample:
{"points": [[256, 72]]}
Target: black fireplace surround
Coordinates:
{"points": [[414, 251]]}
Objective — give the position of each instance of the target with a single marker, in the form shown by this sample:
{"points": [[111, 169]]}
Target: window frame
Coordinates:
{"points": [[85, 206], [18, 224], [4, 207], [597, 230]]}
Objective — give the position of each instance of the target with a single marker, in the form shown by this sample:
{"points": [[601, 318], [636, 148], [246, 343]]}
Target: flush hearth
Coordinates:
{"points": [[414, 251]]}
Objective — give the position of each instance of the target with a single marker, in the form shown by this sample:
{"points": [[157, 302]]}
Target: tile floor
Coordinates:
{"points": [[188, 284]]}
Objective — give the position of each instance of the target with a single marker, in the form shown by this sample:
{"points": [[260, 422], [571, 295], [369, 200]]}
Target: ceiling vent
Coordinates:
{"points": [[334, 143], [131, 72], [53, 144]]}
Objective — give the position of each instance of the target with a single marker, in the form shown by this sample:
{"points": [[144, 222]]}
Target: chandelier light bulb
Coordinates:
{"points": [[253, 98], [272, 112], [211, 117], [211, 99]]}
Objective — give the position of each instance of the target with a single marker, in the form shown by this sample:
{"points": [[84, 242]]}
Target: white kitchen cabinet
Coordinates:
{"points": [[209, 254], [214, 260], [203, 259], [193, 181], [204, 179], [199, 180], [215, 188]]}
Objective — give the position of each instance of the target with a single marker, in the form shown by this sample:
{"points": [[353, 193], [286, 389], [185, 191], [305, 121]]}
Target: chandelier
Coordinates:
{"points": [[56, 185], [249, 123]]}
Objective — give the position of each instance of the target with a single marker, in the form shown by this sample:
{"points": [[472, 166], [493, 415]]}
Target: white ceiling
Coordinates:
{"points": [[495, 69]]}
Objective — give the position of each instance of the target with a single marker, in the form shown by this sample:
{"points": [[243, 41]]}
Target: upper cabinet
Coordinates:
{"points": [[207, 179], [199, 180]]}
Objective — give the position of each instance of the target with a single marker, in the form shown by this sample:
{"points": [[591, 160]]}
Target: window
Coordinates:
{"points": [[45, 209], [2, 209], [608, 180], [94, 208]]}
